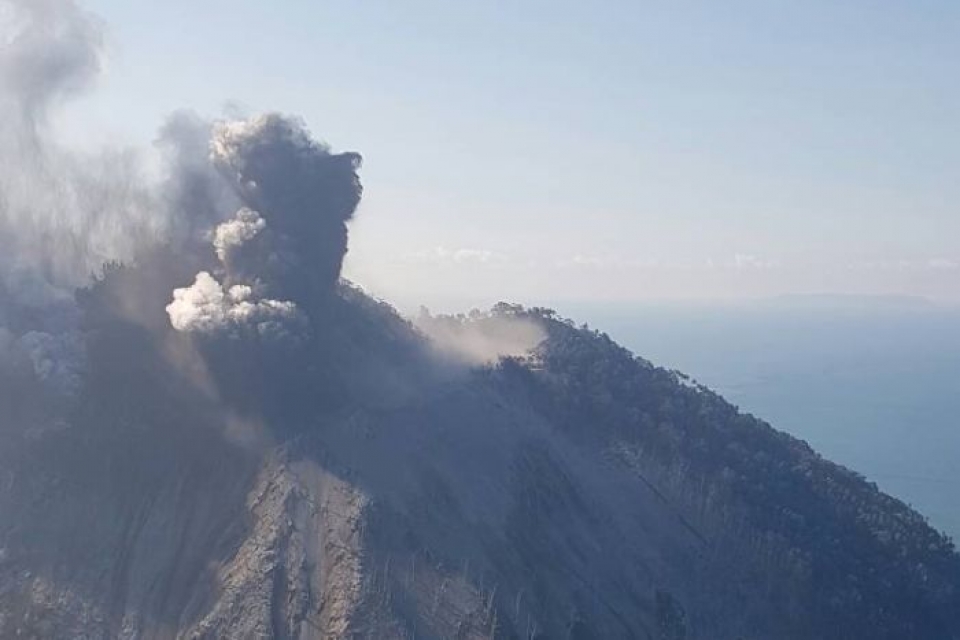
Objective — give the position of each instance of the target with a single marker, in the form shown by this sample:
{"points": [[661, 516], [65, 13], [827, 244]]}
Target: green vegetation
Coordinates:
{"points": [[828, 545]]}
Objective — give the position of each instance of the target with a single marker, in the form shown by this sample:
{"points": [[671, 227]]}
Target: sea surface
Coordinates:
{"points": [[871, 384]]}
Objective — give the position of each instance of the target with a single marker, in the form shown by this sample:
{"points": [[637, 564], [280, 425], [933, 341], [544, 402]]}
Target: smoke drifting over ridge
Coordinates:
{"points": [[481, 338]]}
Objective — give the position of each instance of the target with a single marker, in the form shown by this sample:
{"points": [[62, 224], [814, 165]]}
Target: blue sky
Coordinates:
{"points": [[608, 151]]}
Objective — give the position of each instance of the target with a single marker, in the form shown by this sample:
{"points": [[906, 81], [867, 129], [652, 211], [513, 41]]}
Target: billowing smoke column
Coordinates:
{"points": [[244, 237], [273, 203], [281, 253], [304, 193]]}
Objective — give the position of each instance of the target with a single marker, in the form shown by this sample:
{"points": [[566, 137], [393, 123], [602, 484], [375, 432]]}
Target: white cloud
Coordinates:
{"points": [[234, 233], [744, 261], [932, 264], [442, 255], [589, 261], [943, 264], [206, 307], [608, 262]]}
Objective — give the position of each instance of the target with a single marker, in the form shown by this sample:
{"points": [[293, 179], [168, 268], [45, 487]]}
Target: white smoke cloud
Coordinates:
{"points": [[208, 307], [211, 307], [233, 234], [746, 261], [481, 339], [463, 256]]}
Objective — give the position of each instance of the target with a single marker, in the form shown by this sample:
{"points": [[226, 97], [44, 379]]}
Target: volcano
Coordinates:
{"points": [[252, 447]]}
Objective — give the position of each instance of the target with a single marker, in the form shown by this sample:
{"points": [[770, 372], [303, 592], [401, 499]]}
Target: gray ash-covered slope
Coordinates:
{"points": [[358, 488]]}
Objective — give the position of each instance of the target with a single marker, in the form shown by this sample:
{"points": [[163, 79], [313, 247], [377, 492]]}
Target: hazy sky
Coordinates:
{"points": [[619, 150]]}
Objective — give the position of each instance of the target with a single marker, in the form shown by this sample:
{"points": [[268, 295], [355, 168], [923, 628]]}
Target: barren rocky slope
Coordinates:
{"points": [[577, 493]]}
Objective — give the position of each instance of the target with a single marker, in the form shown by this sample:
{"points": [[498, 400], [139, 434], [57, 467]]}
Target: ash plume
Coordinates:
{"points": [[304, 193], [281, 253], [254, 212], [243, 235], [194, 196]]}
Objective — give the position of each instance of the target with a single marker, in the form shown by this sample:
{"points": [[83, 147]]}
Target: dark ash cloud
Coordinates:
{"points": [[304, 192], [280, 255]]}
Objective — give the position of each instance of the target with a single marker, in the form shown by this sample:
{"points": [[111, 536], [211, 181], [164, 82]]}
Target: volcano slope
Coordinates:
{"points": [[357, 487]]}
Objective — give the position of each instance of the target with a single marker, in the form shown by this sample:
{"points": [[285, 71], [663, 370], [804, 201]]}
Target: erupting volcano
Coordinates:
{"points": [[216, 436]]}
